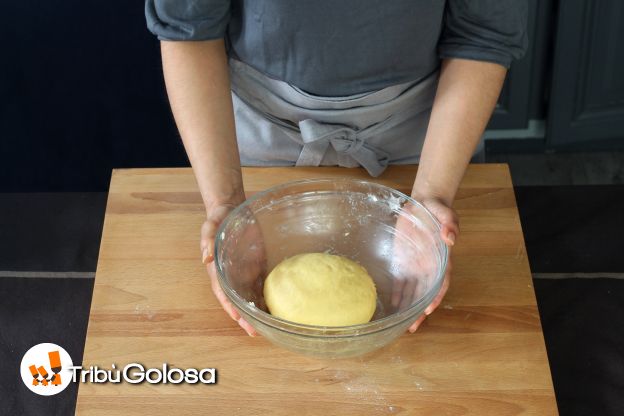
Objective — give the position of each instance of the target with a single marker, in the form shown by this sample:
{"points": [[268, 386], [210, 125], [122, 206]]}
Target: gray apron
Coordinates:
{"points": [[278, 124]]}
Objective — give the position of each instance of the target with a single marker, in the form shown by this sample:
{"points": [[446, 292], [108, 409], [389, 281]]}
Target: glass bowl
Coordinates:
{"points": [[393, 236]]}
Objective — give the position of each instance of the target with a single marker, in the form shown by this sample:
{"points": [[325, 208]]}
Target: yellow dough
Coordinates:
{"points": [[320, 289]]}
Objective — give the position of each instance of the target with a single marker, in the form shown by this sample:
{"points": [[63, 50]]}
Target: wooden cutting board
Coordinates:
{"points": [[481, 353]]}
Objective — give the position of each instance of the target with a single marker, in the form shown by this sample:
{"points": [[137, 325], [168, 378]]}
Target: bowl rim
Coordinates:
{"points": [[320, 330]]}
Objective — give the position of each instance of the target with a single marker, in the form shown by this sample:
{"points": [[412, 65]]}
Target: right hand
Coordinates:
{"points": [[214, 216]]}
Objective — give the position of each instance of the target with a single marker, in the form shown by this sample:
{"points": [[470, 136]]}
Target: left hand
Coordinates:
{"points": [[406, 289]]}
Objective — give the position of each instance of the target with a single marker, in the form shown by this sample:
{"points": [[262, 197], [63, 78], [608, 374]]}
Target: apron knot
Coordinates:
{"points": [[350, 146]]}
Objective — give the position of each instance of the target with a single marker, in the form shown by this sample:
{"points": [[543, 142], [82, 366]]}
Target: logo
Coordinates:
{"points": [[45, 369], [136, 373]]}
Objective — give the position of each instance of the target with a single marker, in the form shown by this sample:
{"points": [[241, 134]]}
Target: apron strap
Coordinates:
{"points": [[349, 144]]}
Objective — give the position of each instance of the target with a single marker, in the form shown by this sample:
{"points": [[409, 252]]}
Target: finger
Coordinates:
{"points": [[247, 327], [449, 235], [438, 299], [208, 253], [450, 228], [207, 233], [206, 241], [221, 297], [416, 324], [397, 288], [408, 293]]}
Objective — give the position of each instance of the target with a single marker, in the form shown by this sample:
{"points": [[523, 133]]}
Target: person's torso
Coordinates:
{"points": [[337, 47]]}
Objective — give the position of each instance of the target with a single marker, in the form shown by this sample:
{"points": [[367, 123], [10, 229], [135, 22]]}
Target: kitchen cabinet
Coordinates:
{"points": [[522, 96], [587, 94], [570, 78]]}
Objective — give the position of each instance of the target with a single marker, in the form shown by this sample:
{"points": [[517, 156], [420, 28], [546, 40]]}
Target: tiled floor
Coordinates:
{"points": [[43, 238], [567, 229], [582, 321], [35, 310]]}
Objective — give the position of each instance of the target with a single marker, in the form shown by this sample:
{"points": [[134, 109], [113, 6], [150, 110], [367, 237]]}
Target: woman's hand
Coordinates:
{"points": [[214, 216], [413, 263], [198, 86], [465, 98], [449, 232]]}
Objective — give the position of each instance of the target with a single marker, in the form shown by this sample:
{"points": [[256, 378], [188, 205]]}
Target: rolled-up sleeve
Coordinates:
{"points": [[187, 19], [484, 30]]}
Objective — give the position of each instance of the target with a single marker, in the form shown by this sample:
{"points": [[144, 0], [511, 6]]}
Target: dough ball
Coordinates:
{"points": [[321, 289]]}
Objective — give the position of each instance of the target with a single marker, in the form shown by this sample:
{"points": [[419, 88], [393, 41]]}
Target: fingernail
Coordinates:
{"points": [[235, 316], [204, 255], [243, 324], [412, 330], [451, 237]]}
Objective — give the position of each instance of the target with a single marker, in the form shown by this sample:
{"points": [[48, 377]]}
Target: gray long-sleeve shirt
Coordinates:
{"points": [[345, 47]]}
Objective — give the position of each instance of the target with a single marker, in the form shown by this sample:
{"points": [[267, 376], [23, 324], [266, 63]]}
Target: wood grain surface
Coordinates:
{"points": [[481, 353]]}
